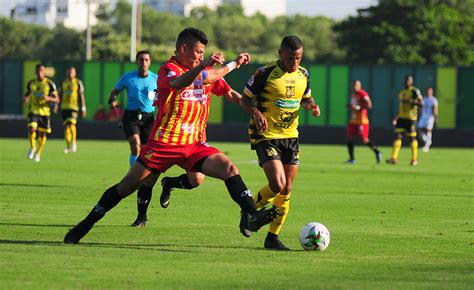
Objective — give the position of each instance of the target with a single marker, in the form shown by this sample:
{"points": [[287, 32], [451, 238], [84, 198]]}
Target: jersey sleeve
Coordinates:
{"points": [[307, 91], [28, 88], [256, 83], [120, 85], [220, 87], [81, 86], [417, 94], [52, 86]]}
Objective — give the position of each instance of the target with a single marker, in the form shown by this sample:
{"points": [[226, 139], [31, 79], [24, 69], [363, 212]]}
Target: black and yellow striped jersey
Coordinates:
{"points": [[70, 92], [37, 90], [277, 95], [407, 109]]}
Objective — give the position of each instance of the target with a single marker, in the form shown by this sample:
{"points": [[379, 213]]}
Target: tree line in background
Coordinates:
{"points": [[391, 32]]}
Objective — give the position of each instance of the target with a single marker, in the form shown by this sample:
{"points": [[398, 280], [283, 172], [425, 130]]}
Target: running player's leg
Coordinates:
{"points": [[32, 129], [366, 141], [190, 180], [220, 166], [350, 132], [110, 198]]}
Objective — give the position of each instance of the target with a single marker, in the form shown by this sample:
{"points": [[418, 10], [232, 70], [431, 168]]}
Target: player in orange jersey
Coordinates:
{"points": [[359, 123], [183, 107]]}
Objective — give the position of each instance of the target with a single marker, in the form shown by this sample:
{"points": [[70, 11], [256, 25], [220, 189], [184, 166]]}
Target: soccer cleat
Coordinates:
{"points": [[351, 161], [165, 193], [426, 149], [391, 161], [244, 224], [67, 150], [378, 157], [413, 163], [275, 244], [73, 148], [140, 222], [31, 154], [76, 234], [253, 222], [37, 158]]}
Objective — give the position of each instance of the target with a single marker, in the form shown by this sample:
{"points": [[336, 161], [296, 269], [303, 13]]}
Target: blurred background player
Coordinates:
{"points": [[428, 119], [273, 96], [138, 118], [71, 95], [359, 123], [40, 92], [405, 121]]}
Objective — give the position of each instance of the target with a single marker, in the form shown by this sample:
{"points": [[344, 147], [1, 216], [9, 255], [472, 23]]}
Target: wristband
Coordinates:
{"points": [[231, 65]]}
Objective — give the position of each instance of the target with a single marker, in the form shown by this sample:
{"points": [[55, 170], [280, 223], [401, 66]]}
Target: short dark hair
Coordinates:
{"points": [[38, 66], [292, 42], [190, 36], [142, 52], [70, 67]]}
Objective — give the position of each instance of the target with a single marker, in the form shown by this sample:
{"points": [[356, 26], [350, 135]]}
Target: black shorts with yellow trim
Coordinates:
{"points": [[39, 122], [287, 150], [69, 116], [406, 126]]}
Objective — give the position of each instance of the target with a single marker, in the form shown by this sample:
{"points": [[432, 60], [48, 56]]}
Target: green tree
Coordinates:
{"points": [[398, 31]]}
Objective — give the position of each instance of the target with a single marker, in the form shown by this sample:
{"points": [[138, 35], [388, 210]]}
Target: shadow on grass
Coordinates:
{"points": [[33, 185]]}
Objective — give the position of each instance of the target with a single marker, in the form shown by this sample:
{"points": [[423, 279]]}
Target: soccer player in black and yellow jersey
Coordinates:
{"points": [[273, 96], [40, 92], [405, 121], [71, 94]]}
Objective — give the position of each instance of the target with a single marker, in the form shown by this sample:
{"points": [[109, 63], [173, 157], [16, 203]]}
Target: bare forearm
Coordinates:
{"points": [[187, 78]]}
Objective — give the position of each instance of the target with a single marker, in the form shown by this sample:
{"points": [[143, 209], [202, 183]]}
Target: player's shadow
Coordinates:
{"points": [[148, 247], [32, 185]]}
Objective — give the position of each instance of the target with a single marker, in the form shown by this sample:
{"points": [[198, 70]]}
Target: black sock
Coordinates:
{"points": [[271, 236], [109, 199], [240, 193], [373, 147], [180, 182], [350, 148], [143, 200]]}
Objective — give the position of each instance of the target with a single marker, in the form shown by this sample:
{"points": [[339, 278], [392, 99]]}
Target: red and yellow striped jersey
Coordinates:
{"points": [[359, 117], [182, 114]]}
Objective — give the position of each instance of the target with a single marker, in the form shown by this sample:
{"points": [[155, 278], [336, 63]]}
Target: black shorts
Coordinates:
{"points": [[69, 116], [286, 150], [132, 125], [406, 126], [41, 123]]}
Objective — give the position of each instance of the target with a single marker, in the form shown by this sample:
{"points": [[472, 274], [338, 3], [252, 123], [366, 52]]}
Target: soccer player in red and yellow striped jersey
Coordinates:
{"points": [[359, 123], [183, 104]]}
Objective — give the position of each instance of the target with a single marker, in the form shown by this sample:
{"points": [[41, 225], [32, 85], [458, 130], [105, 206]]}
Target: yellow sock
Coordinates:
{"points": [[397, 144], [32, 139], [41, 142], [264, 196], [68, 136], [414, 150], [74, 133], [283, 204]]}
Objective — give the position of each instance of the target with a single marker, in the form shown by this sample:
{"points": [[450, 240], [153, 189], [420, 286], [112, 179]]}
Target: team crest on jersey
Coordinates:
{"points": [[290, 91]]}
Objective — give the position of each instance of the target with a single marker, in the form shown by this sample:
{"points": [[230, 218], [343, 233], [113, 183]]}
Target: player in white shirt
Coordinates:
{"points": [[429, 117]]}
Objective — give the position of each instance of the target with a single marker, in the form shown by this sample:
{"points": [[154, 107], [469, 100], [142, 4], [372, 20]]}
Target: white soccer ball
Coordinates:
{"points": [[315, 237]]}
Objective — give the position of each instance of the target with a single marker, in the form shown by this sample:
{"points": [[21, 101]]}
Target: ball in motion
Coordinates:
{"points": [[315, 237]]}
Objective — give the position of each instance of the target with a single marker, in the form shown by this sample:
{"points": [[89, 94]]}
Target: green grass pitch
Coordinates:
{"points": [[392, 227]]}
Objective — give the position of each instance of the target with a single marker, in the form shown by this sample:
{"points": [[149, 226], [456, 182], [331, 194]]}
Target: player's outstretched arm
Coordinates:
{"points": [[309, 104], [216, 73], [188, 77]]}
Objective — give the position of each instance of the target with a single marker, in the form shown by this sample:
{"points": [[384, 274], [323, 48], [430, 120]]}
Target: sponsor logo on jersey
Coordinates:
{"points": [[287, 104], [171, 74], [188, 128], [194, 95]]}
